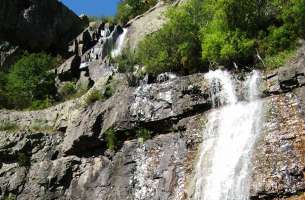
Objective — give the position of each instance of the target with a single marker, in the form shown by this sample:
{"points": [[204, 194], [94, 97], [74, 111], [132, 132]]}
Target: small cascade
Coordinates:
{"points": [[119, 44], [223, 169]]}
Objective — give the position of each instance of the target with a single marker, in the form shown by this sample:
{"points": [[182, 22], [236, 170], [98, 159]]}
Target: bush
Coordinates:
{"points": [[176, 47], [93, 96], [143, 134], [279, 59], [68, 90], [226, 47], [8, 126], [41, 104], [3, 97], [109, 91], [204, 33], [111, 139], [126, 61], [9, 198], [41, 126], [129, 9], [29, 80]]}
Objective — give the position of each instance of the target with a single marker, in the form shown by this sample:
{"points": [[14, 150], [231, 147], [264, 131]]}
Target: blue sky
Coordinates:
{"points": [[92, 7]]}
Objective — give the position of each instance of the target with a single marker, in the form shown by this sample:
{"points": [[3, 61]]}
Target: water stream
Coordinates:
{"points": [[119, 44], [223, 169]]}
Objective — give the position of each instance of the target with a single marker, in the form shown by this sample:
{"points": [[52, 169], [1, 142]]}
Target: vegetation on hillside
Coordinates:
{"points": [[203, 34], [29, 83], [129, 9]]}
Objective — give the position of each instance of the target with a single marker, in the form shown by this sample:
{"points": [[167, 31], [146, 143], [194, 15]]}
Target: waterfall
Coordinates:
{"points": [[223, 169], [118, 47]]}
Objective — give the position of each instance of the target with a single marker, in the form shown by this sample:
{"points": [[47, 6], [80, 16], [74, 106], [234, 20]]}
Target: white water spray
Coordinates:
{"points": [[223, 170], [119, 44]]}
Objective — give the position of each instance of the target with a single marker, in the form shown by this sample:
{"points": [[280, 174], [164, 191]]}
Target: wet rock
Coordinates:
{"points": [[279, 156]]}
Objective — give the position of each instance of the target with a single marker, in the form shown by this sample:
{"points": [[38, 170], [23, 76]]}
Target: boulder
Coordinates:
{"points": [[38, 25], [288, 77], [152, 20], [69, 70]]}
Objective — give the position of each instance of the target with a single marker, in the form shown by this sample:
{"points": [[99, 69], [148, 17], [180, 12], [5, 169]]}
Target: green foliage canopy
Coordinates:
{"points": [[30, 81]]}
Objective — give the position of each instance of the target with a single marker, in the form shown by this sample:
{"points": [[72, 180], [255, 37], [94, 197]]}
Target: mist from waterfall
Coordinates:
{"points": [[223, 169], [118, 47]]}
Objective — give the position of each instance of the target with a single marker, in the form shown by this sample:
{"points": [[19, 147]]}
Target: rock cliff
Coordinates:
{"points": [[38, 25], [63, 152]]}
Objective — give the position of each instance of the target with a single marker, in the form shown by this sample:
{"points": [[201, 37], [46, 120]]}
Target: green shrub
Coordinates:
{"points": [[30, 79], [176, 47], [111, 139], [109, 91], [9, 198], [277, 60], [203, 33], [41, 126], [226, 47], [129, 9], [93, 96], [143, 134], [126, 61], [68, 90], [41, 104], [3, 93], [8, 126]]}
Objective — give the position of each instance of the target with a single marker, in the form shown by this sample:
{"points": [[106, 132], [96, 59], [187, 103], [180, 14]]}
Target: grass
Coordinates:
{"points": [[93, 96], [277, 60], [8, 126], [143, 134], [111, 139], [96, 95], [41, 126]]}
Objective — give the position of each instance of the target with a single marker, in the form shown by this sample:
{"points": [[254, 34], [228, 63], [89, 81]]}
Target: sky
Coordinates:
{"points": [[92, 7]]}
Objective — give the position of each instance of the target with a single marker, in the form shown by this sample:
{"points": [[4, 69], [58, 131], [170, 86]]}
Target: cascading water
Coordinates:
{"points": [[223, 169], [119, 44]]}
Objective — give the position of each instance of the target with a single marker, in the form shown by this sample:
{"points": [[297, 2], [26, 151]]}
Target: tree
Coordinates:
{"points": [[30, 79], [176, 47]]}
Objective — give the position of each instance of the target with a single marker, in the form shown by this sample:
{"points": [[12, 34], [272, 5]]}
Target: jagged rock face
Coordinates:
{"points": [[278, 160], [152, 20], [8, 55], [65, 157], [279, 157], [61, 152], [38, 25]]}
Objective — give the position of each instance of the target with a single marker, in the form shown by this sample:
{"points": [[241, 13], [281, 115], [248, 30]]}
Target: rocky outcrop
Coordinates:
{"points": [[64, 152], [38, 25], [61, 152], [90, 50], [152, 20], [8, 55], [278, 162]]}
